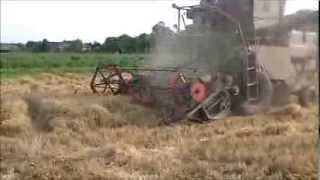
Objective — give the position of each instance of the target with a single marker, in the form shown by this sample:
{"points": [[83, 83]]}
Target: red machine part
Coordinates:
{"points": [[127, 77], [199, 91]]}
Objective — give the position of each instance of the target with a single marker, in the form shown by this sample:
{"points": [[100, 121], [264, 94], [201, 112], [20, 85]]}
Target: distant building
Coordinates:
{"points": [[268, 12], [6, 47], [86, 47], [303, 44], [54, 46], [65, 45], [59, 46]]}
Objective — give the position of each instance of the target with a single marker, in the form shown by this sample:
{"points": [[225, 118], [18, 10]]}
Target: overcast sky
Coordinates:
{"points": [[93, 20]]}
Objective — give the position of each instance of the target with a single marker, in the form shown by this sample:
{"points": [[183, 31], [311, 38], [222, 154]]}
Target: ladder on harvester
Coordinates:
{"points": [[252, 80]]}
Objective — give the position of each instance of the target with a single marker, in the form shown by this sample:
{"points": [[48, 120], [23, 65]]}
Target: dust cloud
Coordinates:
{"points": [[197, 51]]}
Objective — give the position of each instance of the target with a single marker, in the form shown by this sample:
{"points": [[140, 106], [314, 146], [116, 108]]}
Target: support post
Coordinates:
{"points": [[179, 20]]}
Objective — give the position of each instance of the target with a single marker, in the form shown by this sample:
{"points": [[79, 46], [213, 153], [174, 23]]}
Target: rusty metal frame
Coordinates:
{"points": [[118, 70]]}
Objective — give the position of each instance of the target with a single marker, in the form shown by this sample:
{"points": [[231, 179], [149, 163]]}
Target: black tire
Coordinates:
{"points": [[265, 96]]}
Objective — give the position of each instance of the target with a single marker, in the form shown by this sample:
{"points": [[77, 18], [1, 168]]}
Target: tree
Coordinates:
{"points": [[34, 46], [76, 45], [44, 45], [110, 44], [30, 44], [96, 46], [142, 43], [126, 43], [161, 35]]}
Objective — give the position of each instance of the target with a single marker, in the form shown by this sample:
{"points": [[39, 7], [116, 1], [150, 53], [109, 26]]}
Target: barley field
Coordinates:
{"points": [[53, 127]]}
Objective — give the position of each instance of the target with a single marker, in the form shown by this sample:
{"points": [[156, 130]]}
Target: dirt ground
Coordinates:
{"points": [[52, 127]]}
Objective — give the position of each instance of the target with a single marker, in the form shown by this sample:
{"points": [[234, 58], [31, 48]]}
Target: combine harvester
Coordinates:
{"points": [[223, 71]]}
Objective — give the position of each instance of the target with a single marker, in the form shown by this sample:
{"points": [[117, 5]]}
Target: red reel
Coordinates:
{"points": [[199, 91]]}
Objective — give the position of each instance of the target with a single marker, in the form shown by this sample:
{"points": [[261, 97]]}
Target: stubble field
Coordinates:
{"points": [[53, 127]]}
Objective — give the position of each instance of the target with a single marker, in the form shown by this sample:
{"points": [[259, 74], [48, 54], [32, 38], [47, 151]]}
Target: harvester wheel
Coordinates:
{"points": [[265, 96], [110, 81], [105, 83]]}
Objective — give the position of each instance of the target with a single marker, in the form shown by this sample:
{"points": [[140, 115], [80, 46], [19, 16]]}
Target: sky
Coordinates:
{"points": [[25, 20]]}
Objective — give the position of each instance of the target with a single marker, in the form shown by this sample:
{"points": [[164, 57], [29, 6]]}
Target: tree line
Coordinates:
{"points": [[121, 44]]}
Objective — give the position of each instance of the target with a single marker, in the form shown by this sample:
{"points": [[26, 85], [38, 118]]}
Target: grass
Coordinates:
{"points": [[20, 63]]}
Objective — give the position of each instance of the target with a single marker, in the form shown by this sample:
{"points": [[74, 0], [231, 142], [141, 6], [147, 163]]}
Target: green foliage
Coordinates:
{"points": [[21, 63], [121, 44], [110, 45], [75, 46], [35, 46], [95, 46], [143, 43], [44, 46], [127, 44]]}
